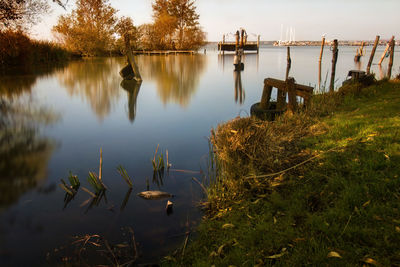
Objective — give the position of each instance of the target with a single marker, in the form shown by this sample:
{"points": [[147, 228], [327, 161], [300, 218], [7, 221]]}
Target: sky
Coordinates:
{"points": [[310, 19]]}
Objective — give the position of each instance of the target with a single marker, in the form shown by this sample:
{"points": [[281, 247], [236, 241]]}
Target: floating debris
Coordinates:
{"points": [[169, 207], [154, 194]]}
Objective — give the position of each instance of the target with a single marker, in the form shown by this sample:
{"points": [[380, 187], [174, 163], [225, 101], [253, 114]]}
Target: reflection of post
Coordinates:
{"points": [[320, 61], [334, 59], [371, 58], [392, 43], [239, 92], [132, 87]]}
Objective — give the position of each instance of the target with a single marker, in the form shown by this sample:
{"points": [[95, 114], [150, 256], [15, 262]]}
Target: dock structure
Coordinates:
{"points": [[164, 52], [243, 44]]}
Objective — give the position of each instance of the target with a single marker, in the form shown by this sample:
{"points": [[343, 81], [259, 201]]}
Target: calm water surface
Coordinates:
{"points": [[77, 109]]}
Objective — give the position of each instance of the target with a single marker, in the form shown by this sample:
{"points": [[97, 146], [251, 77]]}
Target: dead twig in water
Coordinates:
{"points": [[201, 185]]}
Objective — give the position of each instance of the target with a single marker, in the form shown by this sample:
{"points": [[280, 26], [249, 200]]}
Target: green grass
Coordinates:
{"points": [[345, 200]]}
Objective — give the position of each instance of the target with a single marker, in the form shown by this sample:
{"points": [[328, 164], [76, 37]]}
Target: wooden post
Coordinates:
{"points": [[258, 44], [131, 59], [392, 43], [266, 96], [289, 62], [386, 49], [241, 38], [237, 42], [291, 89], [334, 59], [320, 61], [371, 58]]}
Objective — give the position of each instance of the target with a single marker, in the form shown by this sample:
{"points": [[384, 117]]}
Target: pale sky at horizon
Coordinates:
{"points": [[340, 19]]}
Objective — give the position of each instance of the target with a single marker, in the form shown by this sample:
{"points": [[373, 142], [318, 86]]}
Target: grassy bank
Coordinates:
{"points": [[18, 50], [318, 188]]}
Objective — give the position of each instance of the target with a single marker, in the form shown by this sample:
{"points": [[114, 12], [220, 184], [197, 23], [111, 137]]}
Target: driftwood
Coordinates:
{"points": [[154, 194]]}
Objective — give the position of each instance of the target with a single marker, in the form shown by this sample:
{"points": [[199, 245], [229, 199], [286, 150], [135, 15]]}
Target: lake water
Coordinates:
{"points": [[75, 110]]}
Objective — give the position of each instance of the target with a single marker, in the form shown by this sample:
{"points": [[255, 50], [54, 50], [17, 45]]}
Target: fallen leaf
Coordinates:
{"points": [[366, 203], [371, 261], [333, 254], [397, 229], [274, 220], [276, 255], [220, 249], [227, 225]]}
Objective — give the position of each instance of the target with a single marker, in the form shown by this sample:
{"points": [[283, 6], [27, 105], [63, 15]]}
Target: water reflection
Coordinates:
{"points": [[18, 81], [95, 80], [239, 91], [132, 87], [24, 154], [177, 77]]}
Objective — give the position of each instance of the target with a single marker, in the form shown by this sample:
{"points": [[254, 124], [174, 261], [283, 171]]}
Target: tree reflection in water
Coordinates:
{"points": [[23, 153], [98, 81], [177, 76], [95, 80]]}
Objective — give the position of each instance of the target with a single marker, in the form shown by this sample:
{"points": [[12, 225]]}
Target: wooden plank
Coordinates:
{"points": [[371, 58], [291, 89], [305, 88], [275, 83], [282, 85], [266, 96]]}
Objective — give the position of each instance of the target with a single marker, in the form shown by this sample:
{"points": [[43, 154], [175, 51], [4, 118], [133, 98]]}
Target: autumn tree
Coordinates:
{"points": [[127, 32], [178, 23], [21, 13], [89, 29]]}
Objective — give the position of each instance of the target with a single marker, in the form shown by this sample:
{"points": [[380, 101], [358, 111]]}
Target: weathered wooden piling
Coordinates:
{"points": [[385, 51], [258, 44], [391, 56], [266, 96], [359, 53], [266, 109], [320, 61], [371, 58], [237, 42], [334, 59], [131, 61], [288, 62], [291, 89]]}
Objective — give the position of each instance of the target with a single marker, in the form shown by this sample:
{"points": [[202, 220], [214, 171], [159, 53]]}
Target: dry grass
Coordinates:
{"points": [[251, 147]]}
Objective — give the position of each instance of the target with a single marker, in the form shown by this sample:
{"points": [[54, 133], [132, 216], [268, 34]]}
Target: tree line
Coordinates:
{"points": [[93, 28]]}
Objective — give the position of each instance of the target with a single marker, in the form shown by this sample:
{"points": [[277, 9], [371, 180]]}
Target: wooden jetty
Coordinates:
{"points": [[231, 46], [163, 52], [240, 44]]}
